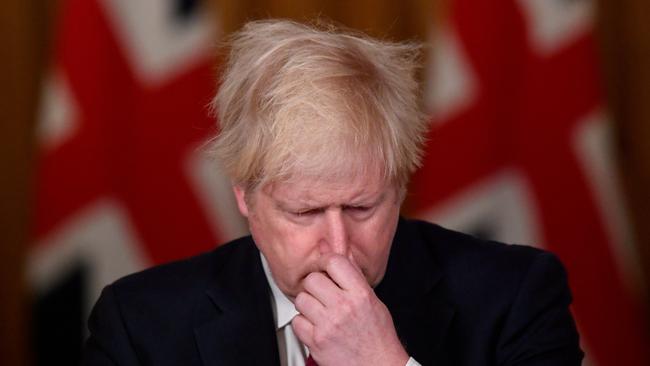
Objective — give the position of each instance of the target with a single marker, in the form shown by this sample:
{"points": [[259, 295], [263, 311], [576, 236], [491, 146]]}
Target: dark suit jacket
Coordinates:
{"points": [[455, 300]]}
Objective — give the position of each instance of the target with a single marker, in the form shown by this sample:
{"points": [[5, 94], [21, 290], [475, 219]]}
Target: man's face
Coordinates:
{"points": [[295, 223]]}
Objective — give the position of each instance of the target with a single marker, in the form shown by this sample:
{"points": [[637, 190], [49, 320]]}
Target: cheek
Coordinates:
{"points": [[373, 245], [290, 252], [280, 240], [372, 248]]}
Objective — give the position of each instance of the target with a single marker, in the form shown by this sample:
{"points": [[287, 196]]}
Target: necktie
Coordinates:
{"points": [[310, 362]]}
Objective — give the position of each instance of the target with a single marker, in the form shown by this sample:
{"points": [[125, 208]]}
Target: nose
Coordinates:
{"points": [[335, 237]]}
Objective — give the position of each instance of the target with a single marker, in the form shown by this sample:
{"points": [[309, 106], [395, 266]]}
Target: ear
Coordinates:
{"points": [[240, 196]]}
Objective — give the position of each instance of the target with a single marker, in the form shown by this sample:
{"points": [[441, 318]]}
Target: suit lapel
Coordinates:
{"points": [[411, 289], [234, 323]]}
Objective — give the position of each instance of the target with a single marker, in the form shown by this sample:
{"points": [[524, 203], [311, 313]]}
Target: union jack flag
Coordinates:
{"points": [[121, 182], [519, 151]]}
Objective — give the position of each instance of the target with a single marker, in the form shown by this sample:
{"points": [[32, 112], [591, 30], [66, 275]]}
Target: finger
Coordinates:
{"points": [[303, 329], [346, 275], [310, 308], [322, 287]]}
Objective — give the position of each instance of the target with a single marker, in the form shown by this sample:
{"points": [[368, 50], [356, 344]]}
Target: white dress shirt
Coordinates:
{"points": [[292, 351]]}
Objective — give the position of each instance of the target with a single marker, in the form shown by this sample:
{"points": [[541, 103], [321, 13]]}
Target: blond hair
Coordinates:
{"points": [[316, 100]]}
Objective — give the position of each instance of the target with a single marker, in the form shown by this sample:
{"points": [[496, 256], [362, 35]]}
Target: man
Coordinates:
{"points": [[320, 131]]}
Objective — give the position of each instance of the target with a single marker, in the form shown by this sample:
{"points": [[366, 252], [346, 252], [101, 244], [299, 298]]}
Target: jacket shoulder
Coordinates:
{"points": [[150, 315], [511, 301], [483, 270], [184, 276], [456, 251]]}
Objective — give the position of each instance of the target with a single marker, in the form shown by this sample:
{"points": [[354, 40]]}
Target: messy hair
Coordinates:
{"points": [[317, 100]]}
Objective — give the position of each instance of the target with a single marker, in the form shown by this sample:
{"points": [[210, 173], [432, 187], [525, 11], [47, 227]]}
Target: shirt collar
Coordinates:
{"points": [[285, 311]]}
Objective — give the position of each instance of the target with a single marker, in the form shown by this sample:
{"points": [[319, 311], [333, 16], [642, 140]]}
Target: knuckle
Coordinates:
{"points": [[365, 296], [320, 339], [297, 323], [359, 302], [301, 300], [337, 323], [345, 307]]}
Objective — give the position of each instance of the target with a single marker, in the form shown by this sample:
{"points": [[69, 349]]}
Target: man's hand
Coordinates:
{"points": [[342, 321]]}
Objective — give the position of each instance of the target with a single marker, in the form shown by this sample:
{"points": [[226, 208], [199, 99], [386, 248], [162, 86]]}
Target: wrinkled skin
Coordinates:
{"points": [[327, 244]]}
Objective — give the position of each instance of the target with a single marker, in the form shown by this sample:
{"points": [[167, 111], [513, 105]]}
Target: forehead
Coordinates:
{"points": [[323, 191]]}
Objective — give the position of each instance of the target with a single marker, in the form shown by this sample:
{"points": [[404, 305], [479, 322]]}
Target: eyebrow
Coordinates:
{"points": [[294, 205], [302, 205], [367, 201]]}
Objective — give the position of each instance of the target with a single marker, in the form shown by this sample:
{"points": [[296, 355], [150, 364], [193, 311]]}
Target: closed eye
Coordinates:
{"points": [[359, 212], [357, 208], [310, 212]]}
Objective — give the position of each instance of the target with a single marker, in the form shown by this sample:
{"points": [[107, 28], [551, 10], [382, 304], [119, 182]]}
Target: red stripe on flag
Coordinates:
{"points": [[132, 143], [527, 115]]}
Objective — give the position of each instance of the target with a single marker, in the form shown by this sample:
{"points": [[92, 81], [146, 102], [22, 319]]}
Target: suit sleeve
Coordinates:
{"points": [[109, 343], [539, 329]]}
